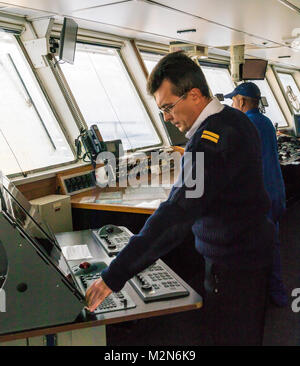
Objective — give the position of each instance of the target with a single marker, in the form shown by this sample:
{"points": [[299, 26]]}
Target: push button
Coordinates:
{"points": [[84, 265]]}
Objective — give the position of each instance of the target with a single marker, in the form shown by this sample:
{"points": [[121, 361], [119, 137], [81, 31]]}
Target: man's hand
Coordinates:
{"points": [[96, 294]]}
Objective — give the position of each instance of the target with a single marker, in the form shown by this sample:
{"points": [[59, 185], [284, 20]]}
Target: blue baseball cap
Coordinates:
{"points": [[245, 89]]}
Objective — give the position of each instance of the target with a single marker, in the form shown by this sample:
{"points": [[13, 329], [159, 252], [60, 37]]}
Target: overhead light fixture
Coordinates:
{"points": [[192, 50], [290, 5]]}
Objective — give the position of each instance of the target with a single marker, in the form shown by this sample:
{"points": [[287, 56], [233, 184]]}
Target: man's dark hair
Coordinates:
{"points": [[181, 71]]}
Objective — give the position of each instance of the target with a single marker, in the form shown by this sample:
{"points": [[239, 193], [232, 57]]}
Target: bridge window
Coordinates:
{"points": [[272, 111], [217, 76], [30, 136], [150, 60], [219, 81], [107, 97], [291, 90]]}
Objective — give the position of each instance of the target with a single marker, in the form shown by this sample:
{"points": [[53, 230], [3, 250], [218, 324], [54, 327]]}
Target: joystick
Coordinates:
{"points": [[112, 238]]}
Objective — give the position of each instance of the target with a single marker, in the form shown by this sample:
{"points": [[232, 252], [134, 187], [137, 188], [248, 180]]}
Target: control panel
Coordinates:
{"points": [[79, 182], [112, 238], [156, 283], [87, 273], [288, 149], [137, 165], [76, 181]]}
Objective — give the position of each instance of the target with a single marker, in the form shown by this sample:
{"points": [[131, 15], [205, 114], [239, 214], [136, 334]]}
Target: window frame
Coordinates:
{"points": [[224, 65], [275, 97], [132, 80], [219, 65], [150, 52], [214, 64], [47, 99], [160, 144], [278, 70]]}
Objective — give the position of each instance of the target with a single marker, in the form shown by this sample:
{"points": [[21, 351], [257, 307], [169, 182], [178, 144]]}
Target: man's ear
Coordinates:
{"points": [[196, 93], [243, 103]]}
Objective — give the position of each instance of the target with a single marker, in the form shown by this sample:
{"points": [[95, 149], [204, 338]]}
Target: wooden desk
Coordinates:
{"points": [[86, 200], [191, 302], [81, 201]]}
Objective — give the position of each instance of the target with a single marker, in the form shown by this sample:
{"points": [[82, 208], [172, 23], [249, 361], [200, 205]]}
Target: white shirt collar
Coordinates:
{"points": [[213, 107]]}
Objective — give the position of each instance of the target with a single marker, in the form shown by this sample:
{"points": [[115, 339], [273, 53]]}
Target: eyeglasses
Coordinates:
{"points": [[169, 108]]}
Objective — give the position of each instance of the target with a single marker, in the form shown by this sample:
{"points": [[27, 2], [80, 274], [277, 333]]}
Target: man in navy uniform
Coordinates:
{"points": [[246, 98], [229, 220]]}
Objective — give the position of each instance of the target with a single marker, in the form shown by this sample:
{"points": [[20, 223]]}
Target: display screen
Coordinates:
{"points": [[254, 69], [42, 240], [115, 147], [111, 147]]}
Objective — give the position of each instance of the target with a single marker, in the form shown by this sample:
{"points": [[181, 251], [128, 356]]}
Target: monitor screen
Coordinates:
{"points": [[115, 147], [32, 229], [254, 69], [67, 44]]}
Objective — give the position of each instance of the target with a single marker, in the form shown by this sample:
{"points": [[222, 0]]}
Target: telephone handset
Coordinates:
{"points": [[93, 141], [94, 144]]}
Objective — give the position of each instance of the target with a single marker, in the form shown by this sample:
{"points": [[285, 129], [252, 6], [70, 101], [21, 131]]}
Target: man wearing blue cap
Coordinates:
{"points": [[246, 98]]}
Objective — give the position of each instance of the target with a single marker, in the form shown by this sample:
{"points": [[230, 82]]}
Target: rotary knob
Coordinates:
{"points": [[146, 286]]}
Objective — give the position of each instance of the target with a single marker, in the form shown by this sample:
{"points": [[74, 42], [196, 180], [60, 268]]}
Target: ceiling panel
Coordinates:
{"points": [[61, 7], [156, 20], [218, 23], [278, 55], [262, 18], [262, 24], [30, 13]]}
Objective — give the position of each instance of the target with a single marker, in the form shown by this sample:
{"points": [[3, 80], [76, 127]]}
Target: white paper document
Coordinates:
{"points": [[149, 204], [76, 252], [88, 199]]}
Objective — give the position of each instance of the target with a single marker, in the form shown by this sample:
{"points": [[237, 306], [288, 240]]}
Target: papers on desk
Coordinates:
{"points": [[88, 199], [142, 196], [144, 193], [76, 252], [149, 204], [109, 197]]}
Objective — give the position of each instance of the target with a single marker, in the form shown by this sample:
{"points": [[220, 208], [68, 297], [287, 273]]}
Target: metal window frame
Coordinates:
{"points": [[146, 109], [48, 100], [276, 99], [12, 23], [70, 99], [278, 70]]}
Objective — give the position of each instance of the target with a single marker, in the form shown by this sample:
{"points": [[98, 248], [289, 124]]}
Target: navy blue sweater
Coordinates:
{"points": [[229, 220]]}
